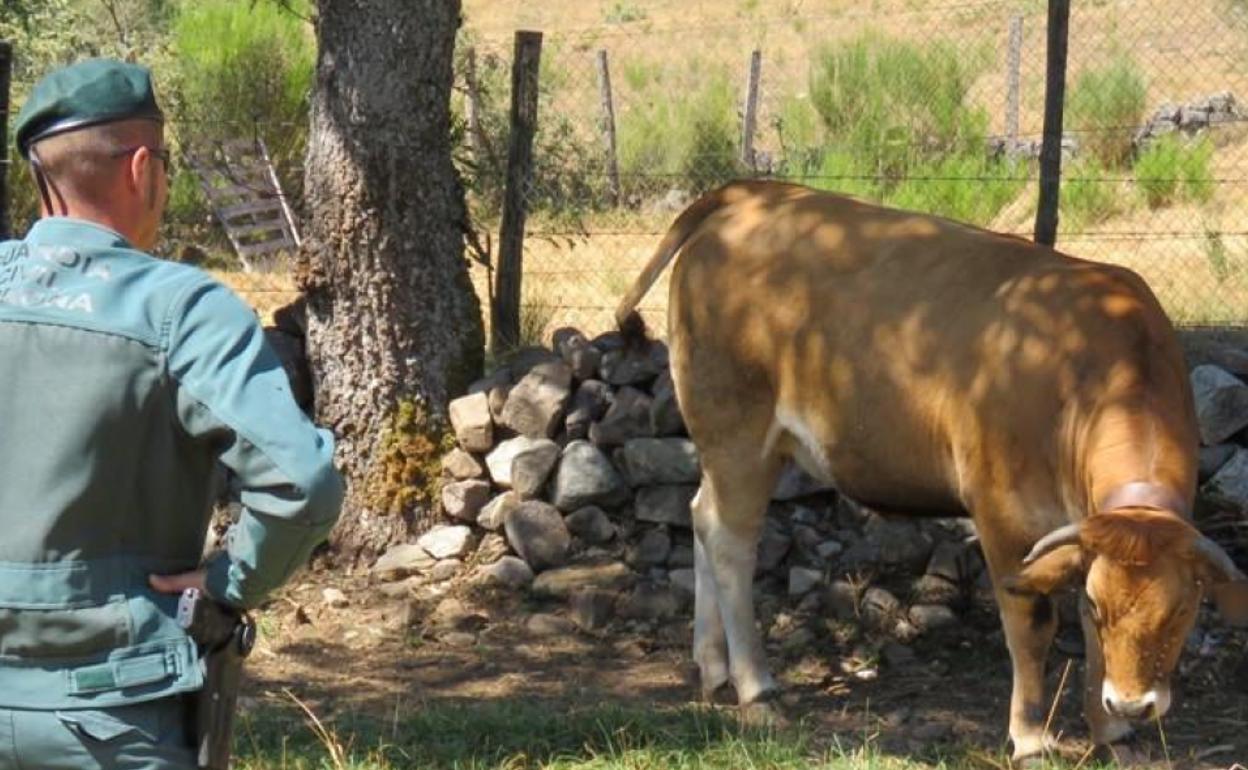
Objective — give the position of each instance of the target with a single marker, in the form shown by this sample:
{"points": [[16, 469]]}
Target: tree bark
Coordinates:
{"points": [[394, 326]]}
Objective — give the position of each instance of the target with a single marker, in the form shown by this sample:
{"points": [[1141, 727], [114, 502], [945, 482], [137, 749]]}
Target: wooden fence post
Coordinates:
{"points": [[608, 126], [1054, 99], [505, 316], [6, 71], [1013, 65], [750, 116]]}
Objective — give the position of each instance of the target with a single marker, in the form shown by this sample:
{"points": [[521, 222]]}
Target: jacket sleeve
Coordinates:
{"points": [[232, 391]]}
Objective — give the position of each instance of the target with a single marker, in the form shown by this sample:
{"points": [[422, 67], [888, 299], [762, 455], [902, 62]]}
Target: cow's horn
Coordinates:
{"points": [[1060, 536], [1218, 558]]}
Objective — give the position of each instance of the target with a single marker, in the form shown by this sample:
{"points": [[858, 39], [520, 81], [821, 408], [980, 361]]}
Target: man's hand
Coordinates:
{"points": [[176, 584]]}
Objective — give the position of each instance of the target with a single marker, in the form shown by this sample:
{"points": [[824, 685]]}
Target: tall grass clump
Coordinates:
{"points": [[1105, 106], [898, 127], [690, 141], [1173, 169], [243, 69]]}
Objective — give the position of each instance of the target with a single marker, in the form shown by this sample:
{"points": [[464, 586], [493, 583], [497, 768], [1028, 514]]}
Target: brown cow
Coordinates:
{"points": [[926, 366]]}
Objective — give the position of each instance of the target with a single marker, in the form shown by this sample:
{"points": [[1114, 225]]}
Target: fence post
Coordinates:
{"points": [[1054, 99], [6, 71], [750, 117], [505, 316], [475, 144], [608, 126], [1013, 65]]}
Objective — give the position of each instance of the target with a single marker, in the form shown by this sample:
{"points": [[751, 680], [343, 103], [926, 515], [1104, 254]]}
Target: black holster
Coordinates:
{"points": [[225, 638]]}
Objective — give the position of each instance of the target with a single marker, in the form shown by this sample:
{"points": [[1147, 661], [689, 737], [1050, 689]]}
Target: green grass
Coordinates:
{"points": [[522, 734], [1105, 105], [1173, 170], [1089, 195]]}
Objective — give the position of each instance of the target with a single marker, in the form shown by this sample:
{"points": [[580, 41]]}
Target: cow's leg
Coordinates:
{"points": [[1104, 727], [728, 515], [1030, 623], [710, 645]]}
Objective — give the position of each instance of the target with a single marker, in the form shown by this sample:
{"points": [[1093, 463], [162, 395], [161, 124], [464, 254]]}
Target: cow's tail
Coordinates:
{"points": [[627, 318]]}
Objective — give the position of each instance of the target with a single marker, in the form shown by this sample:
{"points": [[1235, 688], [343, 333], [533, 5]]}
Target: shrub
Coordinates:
{"points": [[1087, 196], [969, 187], [1105, 106], [1172, 169]]}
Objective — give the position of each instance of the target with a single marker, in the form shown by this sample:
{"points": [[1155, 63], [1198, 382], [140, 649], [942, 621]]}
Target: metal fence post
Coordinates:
{"points": [[608, 126], [1054, 99], [1013, 65], [505, 317], [750, 118]]}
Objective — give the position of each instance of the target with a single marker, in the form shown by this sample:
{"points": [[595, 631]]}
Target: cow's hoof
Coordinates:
{"points": [[721, 695], [765, 711]]}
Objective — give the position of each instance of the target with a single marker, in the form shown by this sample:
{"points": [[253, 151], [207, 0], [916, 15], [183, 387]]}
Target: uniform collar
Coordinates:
{"points": [[68, 231]]}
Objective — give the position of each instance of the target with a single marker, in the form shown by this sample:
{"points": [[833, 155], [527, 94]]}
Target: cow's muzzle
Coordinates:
{"points": [[1151, 705]]}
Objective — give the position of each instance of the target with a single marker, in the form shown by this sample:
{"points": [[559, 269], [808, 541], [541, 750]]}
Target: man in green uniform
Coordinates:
{"points": [[126, 385]]}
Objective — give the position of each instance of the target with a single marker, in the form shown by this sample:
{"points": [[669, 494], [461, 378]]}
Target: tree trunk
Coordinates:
{"points": [[394, 327]]}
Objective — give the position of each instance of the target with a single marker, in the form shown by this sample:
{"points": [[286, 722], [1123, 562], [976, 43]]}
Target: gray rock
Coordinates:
{"points": [[628, 366], [531, 467], [773, 545], [1212, 458], [649, 461], [648, 601], [650, 550], [930, 589], [829, 549], [879, 606], [592, 609], [537, 533], [464, 500], [500, 377], [562, 582], [897, 655], [509, 571], [841, 598], [680, 557], [523, 361], [461, 466], [591, 525], [335, 598], [586, 477], [901, 542], [802, 580], [807, 539], [473, 424], [458, 639], [546, 624], [683, 580], [665, 417], [946, 562], [929, 617], [581, 357], [628, 417], [590, 402], [1221, 403], [402, 560], [500, 460], [795, 483], [536, 404], [495, 511], [445, 569], [446, 542], [666, 504], [1229, 486]]}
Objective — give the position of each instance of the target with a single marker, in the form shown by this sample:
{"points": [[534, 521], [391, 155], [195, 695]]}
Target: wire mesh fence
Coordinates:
{"points": [[929, 107]]}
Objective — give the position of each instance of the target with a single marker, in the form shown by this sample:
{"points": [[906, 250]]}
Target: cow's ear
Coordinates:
{"points": [[1231, 599], [1054, 570]]}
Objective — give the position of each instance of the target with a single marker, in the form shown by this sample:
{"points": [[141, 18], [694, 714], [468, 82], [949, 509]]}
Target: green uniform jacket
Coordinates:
{"points": [[125, 384]]}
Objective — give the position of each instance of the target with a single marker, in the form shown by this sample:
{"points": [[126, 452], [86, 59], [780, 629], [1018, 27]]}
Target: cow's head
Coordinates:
{"points": [[1145, 572]]}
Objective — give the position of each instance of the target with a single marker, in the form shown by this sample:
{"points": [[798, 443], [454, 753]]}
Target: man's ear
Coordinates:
{"points": [[1054, 570]]}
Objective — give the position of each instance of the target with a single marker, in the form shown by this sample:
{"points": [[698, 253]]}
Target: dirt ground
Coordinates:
{"points": [[379, 656]]}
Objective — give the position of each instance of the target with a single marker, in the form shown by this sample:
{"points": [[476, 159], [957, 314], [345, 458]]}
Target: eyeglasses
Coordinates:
{"points": [[160, 152]]}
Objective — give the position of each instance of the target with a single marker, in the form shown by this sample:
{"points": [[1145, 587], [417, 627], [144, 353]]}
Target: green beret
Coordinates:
{"points": [[85, 94]]}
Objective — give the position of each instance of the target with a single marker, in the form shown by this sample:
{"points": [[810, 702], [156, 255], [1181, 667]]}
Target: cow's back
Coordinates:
{"points": [[907, 354]]}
